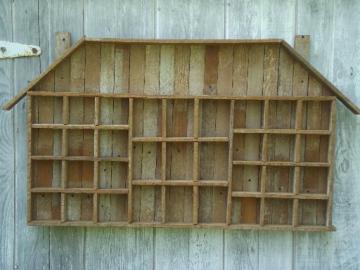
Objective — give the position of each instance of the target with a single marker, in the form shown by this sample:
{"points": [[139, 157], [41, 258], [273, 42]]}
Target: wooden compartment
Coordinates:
{"points": [[113, 143], [179, 205], [112, 208], [212, 204], [314, 148], [313, 180], [147, 117], [81, 110], [279, 179], [47, 142], [47, 110], [79, 207], [146, 160], [246, 178], [247, 147], [113, 174], [282, 114], [46, 173], [248, 114], [179, 161], [316, 115], [180, 118], [214, 118], [213, 161], [80, 142], [281, 147], [45, 206], [312, 212], [147, 204], [113, 111], [278, 212], [245, 211], [80, 174]]}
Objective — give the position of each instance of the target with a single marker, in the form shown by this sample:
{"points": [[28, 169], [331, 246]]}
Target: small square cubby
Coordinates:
{"points": [[80, 174], [247, 147], [113, 174], [146, 161], [81, 110], [79, 207], [47, 110], [246, 178], [112, 208], [214, 118], [312, 212], [46, 142], [147, 118], [180, 118], [282, 114], [147, 204], [213, 161], [248, 114], [45, 173], [179, 204], [179, 161], [45, 206], [80, 142], [278, 211], [314, 148], [245, 210], [313, 180], [113, 111], [316, 115], [212, 204], [279, 179], [113, 143], [280, 147]]}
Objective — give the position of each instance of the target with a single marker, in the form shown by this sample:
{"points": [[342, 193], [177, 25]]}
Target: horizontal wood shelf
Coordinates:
{"points": [[164, 161]]}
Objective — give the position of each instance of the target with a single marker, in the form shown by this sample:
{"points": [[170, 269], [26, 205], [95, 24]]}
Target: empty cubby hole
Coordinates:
{"points": [[279, 179], [179, 202], [45, 173], [112, 208], [180, 118], [45, 206], [80, 174], [280, 147], [146, 160], [245, 211], [179, 161], [312, 212], [313, 180], [113, 111], [278, 211], [47, 110], [314, 148], [113, 174], [147, 118], [79, 207], [247, 147], [212, 204], [282, 114], [246, 178], [81, 110], [147, 204], [316, 115], [248, 114], [46, 142], [213, 161], [214, 118], [80, 142], [113, 143]]}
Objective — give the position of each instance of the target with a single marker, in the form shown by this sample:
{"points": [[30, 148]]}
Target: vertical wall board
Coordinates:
{"points": [[271, 245], [206, 249], [7, 147], [275, 26], [241, 250], [346, 251], [27, 255], [119, 248]]}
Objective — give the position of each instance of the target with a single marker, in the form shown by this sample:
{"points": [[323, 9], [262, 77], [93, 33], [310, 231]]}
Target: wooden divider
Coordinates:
{"points": [[237, 194]]}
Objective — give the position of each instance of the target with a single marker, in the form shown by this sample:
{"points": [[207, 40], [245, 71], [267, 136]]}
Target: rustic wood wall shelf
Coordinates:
{"points": [[229, 134]]}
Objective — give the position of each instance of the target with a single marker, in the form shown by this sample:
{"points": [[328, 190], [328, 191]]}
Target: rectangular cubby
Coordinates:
{"points": [[231, 162], [47, 110]]}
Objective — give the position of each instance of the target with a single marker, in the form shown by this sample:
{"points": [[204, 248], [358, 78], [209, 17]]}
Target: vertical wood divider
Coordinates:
{"points": [[130, 160], [196, 120], [29, 183], [230, 162], [330, 180], [64, 152], [297, 157], [264, 157], [163, 159], [96, 162]]}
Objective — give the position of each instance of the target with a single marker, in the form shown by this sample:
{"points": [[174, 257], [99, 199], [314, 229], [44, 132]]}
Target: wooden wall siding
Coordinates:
{"points": [[334, 51]]}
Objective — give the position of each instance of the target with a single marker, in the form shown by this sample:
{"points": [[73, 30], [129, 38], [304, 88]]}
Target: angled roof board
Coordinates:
{"points": [[312, 70]]}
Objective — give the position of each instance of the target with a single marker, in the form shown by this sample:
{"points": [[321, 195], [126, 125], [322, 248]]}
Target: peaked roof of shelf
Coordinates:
{"points": [[345, 100]]}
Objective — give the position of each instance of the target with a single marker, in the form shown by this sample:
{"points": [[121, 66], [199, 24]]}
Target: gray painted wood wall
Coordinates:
{"points": [[335, 51]]}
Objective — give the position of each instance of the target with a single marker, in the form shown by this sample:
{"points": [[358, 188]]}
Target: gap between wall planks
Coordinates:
{"points": [[83, 207]]}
